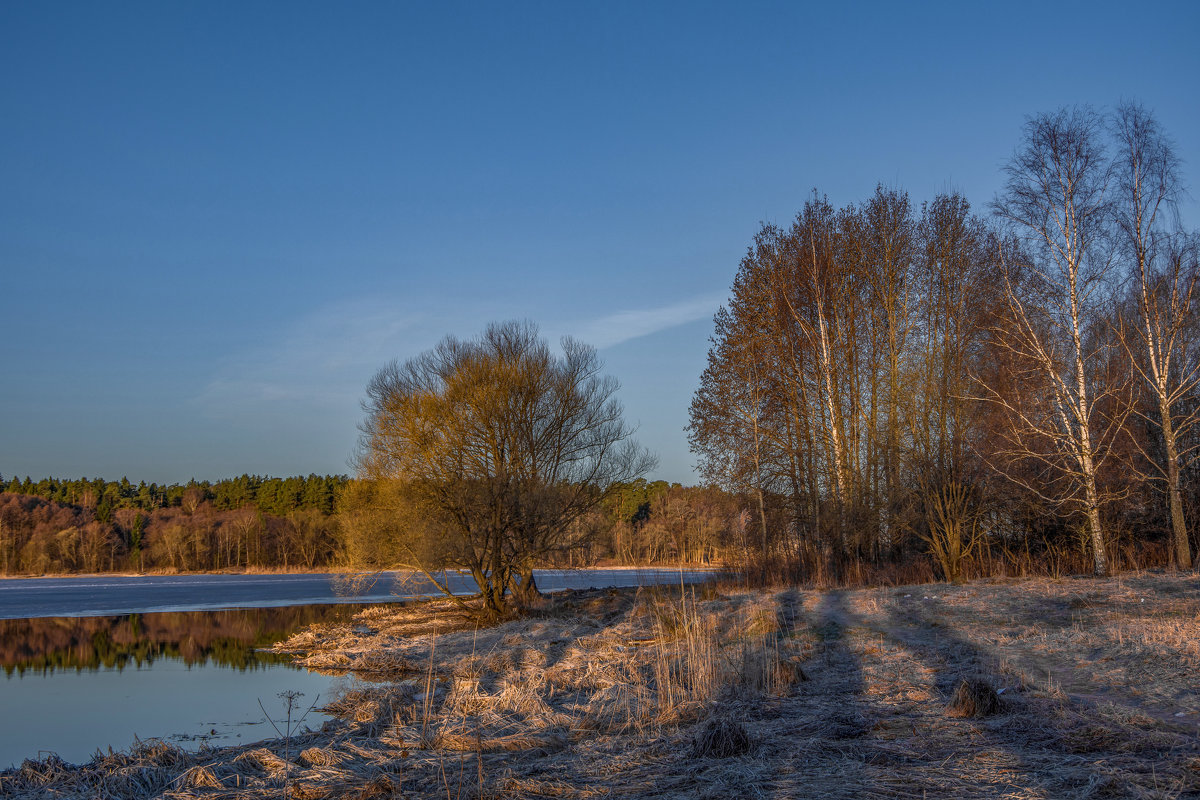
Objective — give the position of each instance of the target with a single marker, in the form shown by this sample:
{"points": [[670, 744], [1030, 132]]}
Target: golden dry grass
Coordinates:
{"points": [[771, 694]]}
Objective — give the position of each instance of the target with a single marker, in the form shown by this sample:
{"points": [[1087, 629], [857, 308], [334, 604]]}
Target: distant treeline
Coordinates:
{"points": [[73, 526], [277, 496], [93, 525]]}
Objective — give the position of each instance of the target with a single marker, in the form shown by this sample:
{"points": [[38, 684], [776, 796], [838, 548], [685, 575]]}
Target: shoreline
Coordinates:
{"points": [[779, 691], [346, 571], [115, 595]]}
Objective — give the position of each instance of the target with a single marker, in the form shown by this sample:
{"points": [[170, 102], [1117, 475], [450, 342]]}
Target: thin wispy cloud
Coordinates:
{"points": [[323, 360], [623, 326]]}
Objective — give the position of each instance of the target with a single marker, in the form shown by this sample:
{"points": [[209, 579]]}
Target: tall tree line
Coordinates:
{"points": [[887, 374]]}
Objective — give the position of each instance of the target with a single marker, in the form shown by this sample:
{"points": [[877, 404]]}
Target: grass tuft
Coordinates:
{"points": [[973, 698], [721, 737]]}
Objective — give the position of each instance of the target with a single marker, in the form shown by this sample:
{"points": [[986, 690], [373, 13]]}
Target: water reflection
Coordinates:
{"points": [[82, 683], [229, 638]]}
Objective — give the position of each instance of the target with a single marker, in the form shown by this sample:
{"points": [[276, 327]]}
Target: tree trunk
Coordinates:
{"points": [[1182, 547], [1087, 464], [762, 516], [525, 588], [1100, 569]]}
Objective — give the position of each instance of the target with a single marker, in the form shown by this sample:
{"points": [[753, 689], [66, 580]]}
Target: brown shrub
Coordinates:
{"points": [[974, 698], [721, 737]]}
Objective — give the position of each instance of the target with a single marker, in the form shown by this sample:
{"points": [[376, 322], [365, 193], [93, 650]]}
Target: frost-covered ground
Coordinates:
{"points": [[781, 693]]}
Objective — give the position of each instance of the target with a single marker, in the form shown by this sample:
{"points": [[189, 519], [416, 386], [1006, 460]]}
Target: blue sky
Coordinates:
{"points": [[217, 220]]}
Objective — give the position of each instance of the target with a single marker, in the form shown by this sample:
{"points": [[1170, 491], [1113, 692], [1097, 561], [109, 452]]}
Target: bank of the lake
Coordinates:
{"points": [[83, 682], [106, 595], [921, 691]]}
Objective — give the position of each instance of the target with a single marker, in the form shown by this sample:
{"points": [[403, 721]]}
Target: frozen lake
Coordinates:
{"points": [[91, 596]]}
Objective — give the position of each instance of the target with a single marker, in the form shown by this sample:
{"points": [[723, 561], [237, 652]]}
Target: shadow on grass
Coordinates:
{"points": [[1055, 744]]}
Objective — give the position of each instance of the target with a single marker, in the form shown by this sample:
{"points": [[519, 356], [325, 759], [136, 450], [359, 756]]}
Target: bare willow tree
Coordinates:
{"points": [[485, 452], [1056, 204], [953, 529], [1163, 276]]}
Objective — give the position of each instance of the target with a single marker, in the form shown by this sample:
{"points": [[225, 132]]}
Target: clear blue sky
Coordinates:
{"points": [[218, 219]]}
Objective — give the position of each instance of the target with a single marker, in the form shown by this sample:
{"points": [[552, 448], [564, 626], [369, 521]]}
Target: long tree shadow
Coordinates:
{"points": [[874, 728], [823, 735], [1059, 744], [849, 685]]}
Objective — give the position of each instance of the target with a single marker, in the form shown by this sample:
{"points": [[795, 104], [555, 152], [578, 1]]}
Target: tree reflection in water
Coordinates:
{"points": [[231, 638]]}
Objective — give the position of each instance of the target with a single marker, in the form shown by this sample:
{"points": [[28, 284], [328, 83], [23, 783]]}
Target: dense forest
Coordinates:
{"points": [[277, 496], [249, 522]]}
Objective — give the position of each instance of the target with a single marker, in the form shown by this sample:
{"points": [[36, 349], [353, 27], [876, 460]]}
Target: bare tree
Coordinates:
{"points": [[1055, 202], [733, 419], [495, 446], [888, 240], [816, 296], [1162, 263]]}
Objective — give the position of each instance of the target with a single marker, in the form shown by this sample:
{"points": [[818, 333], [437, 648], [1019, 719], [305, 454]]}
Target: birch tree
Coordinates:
{"points": [[1055, 203], [1163, 276]]}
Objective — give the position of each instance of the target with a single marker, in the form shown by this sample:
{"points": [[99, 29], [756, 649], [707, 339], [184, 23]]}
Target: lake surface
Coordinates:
{"points": [[105, 595], [78, 684], [91, 662]]}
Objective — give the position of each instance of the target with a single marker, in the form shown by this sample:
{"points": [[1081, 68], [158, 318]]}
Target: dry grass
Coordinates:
{"points": [[975, 698], [721, 737], [1033, 689]]}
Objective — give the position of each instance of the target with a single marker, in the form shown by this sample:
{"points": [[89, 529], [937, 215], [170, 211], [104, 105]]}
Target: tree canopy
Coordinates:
{"points": [[481, 454]]}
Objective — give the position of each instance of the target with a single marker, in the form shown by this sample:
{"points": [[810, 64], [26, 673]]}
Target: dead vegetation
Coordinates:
{"points": [[975, 698], [1034, 689]]}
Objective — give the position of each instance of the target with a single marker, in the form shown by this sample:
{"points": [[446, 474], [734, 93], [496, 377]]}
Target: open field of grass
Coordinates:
{"points": [[1019, 689]]}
